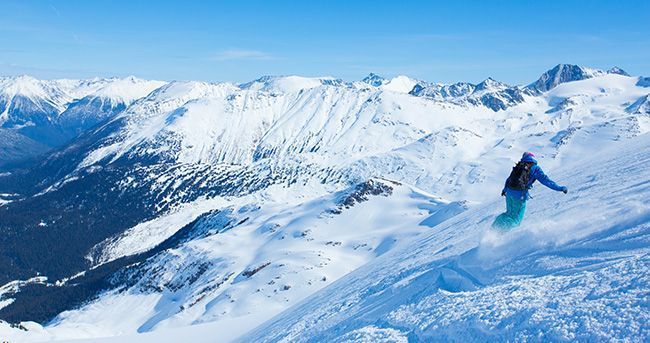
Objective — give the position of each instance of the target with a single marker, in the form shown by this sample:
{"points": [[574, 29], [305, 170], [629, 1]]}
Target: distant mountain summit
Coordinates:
{"points": [[374, 80], [563, 73], [489, 85], [288, 84], [560, 74], [617, 70]]}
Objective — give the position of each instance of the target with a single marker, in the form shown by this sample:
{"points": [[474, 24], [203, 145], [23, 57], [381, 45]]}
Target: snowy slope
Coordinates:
{"points": [[576, 270], [253, 252], [562, 276], [399, 84], [221, 188]]}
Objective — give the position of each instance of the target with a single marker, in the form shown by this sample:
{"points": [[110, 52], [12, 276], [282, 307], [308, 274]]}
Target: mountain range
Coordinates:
{"points": [[130, 206]]}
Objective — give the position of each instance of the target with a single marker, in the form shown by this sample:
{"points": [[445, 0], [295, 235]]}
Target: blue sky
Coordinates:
{"points": [[444, 41]]}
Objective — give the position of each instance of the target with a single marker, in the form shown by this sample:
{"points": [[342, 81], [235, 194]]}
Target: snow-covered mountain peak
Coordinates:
{"points": [[399, 84], [287, 84], [183, 91], [128, 89], [441, 91], [617, 70], [28, 103], [562, 73], [490, 85], [28, 86], [374, 80], [490, 93]]}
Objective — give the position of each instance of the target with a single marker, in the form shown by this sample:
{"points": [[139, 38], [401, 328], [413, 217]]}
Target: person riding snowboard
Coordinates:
{"points": [[521, 179]]}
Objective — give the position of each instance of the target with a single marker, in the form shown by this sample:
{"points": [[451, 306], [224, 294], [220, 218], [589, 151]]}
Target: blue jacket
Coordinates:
{"points": [[536, 173]]}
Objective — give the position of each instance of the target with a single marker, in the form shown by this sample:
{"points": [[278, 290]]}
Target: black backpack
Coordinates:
{"points": [[519, 176]]}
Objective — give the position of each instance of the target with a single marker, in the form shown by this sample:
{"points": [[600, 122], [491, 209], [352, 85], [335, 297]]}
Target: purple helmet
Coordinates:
{"points": [[528, 157], [527, 154]]}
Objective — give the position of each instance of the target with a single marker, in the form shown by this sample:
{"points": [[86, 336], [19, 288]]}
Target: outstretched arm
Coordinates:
{"points": [[546, 181]]}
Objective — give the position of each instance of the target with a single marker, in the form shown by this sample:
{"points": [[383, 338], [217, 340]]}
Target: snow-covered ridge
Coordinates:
{"points": [[288, 84], [59, 93]]}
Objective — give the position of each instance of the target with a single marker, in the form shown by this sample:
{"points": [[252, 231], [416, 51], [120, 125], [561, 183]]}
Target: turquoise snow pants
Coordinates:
{"points": [[513, 216]]}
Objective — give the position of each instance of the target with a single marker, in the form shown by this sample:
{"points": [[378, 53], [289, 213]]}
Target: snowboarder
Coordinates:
{"points": [[521, 179]]}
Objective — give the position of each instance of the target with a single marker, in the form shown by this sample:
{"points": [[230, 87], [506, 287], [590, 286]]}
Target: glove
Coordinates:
{"points": [[565, 190], [503, 193]]}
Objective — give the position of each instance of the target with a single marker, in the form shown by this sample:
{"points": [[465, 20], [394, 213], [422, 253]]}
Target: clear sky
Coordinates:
{"points": [[444, 41]]}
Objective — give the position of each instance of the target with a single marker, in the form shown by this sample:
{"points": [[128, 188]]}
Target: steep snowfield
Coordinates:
{"points": [[576, 270]]}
